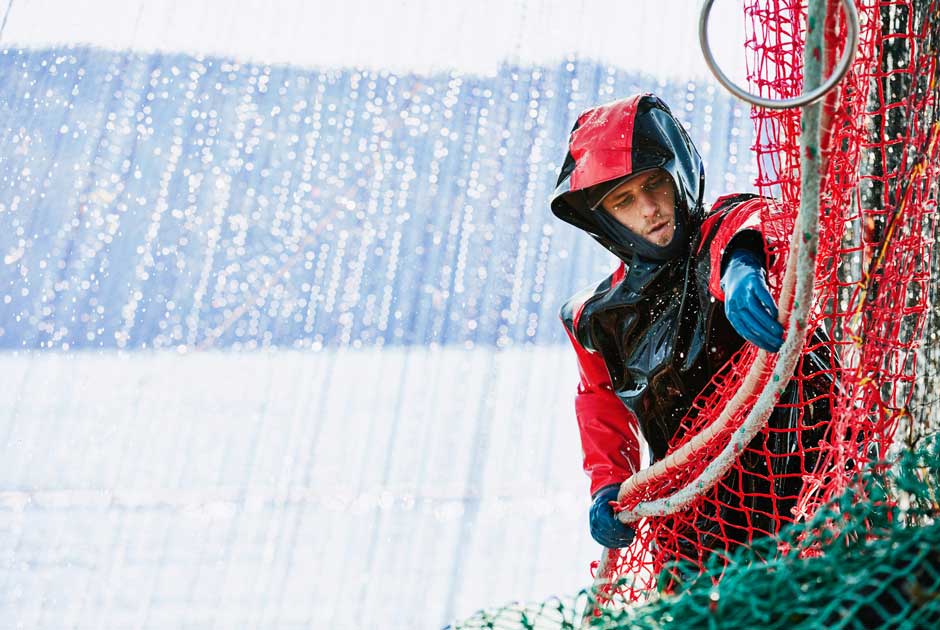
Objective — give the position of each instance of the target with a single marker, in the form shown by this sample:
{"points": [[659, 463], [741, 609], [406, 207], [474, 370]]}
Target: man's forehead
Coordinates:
{"points": [[637, 180]]}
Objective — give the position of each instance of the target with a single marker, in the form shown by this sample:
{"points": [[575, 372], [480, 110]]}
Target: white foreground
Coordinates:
{"points": [[388, 489]]}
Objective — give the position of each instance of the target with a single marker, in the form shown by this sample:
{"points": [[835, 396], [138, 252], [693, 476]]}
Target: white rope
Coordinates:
{"points": [[801, 276]]}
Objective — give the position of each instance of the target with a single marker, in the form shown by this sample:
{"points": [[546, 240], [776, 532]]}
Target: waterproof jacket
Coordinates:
{"points": [[651, 335]]}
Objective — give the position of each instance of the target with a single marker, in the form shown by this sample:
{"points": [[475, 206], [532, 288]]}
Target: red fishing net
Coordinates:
{"points": [[852, 388]]}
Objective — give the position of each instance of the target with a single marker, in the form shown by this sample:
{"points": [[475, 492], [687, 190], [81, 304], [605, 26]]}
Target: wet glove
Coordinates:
{"points": [[605, 528], [748, 304]]}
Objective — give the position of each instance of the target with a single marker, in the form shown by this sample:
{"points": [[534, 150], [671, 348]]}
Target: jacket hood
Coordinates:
{"points": [[612, 142]]}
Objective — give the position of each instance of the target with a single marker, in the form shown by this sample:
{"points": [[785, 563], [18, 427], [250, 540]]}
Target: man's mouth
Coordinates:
{"points": [[657, 228]]}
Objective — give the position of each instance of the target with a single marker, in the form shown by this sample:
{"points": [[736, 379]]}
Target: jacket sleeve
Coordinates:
{"points": [[734, 220], [609, 431]]}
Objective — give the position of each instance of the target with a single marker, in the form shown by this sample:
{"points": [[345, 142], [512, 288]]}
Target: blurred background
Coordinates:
{"points": [[279, 344]]}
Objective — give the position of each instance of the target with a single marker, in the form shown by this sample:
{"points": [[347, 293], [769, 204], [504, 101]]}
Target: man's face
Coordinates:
{"points": [[646, 205]]}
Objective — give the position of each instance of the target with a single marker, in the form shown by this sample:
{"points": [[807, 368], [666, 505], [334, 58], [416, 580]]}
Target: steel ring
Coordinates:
{"points": [[798, 101]]}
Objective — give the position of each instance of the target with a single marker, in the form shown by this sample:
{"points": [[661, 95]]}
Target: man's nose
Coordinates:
{"points": [[649, 204]]}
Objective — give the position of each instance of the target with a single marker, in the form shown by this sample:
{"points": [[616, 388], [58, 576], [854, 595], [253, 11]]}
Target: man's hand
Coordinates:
{"points": [[605, 528], [748, 304]]}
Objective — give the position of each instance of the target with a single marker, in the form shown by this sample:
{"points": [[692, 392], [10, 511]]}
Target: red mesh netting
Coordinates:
{"points": [[877, 219]]}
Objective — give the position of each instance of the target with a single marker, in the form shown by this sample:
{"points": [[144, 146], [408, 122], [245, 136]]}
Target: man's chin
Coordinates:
{"points": [[661, 240]]}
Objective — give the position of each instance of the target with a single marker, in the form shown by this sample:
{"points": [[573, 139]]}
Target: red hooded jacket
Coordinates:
{"points": [[650, 335]]}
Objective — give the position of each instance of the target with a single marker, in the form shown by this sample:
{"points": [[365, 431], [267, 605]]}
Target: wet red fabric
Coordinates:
{"points": [[610, 442], [602, 144]]}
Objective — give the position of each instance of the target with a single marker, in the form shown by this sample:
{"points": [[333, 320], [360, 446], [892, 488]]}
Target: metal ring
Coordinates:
{"points": [[798, 101]]}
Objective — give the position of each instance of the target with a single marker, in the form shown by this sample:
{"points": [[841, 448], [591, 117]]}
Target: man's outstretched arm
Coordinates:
{"points": [[748, 304], [609, 444], [736, 239]]}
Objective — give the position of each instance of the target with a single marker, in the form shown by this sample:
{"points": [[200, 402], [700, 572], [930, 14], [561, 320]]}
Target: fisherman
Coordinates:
{"points": [[690, 290]]}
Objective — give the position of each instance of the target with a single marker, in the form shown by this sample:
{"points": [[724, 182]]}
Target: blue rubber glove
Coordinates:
{"points": [[748, 304], [605, 528]]}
